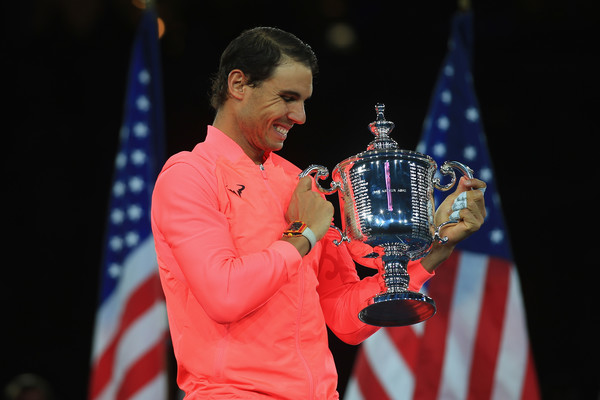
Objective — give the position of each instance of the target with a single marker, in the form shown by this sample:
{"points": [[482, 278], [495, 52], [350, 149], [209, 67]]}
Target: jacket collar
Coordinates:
{"points": [[227, 147]]}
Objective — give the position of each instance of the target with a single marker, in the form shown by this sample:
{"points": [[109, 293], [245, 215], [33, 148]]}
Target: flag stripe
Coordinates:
{"points": [[140, 301], [462, 328], [514, 347], [154, 389], [131, 348], [406, 341], [382, 356], [433, 343], [139, 374], [367, 381], [491, 318], [353, 390], [530, 387], [135, 272]]}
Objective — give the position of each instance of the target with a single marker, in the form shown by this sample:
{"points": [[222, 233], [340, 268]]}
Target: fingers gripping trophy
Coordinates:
{"points": [[387, 207]]}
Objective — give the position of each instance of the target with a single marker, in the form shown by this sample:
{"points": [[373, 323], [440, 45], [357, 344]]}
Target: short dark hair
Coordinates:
{"points": [[257, 52]]}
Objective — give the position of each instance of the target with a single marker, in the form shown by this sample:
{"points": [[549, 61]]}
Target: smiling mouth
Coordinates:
{"points": [[281, 130]]}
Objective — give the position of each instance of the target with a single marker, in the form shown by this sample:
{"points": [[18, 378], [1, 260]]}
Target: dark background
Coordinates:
{"points": [[65, 62]]}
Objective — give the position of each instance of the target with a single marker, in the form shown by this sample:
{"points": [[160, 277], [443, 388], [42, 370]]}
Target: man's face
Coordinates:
{"points": [[271, 108]]}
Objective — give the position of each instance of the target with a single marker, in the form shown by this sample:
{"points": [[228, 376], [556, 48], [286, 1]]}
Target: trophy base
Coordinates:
{"points": [[398, 309]]}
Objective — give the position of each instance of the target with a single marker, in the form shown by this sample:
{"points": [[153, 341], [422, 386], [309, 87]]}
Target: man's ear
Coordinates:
{"points": [[236, 83]]}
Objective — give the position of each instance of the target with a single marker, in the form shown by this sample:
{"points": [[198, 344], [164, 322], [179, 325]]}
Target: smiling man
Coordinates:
{"points": [[246, 256]]}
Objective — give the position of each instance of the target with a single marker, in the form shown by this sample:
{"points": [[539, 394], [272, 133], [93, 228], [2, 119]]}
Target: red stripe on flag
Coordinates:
{"points": [[433, 342], [144, 370], [367, 381], [141, 299], [490, 328], [531, 390]]}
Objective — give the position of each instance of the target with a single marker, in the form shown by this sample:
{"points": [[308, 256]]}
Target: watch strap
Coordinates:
{"points": [[310, 235]]}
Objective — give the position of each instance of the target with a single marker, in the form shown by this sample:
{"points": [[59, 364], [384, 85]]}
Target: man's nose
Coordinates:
{"points": [[297, 113]]}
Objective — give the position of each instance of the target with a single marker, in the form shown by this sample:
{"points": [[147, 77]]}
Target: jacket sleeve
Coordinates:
{"points": [[188, 224], [343, 294]]}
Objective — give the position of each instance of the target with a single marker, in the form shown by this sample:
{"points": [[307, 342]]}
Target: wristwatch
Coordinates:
{"points": [[299, 228]]}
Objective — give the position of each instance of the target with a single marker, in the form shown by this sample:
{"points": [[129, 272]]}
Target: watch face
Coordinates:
{"points": [[296, 226]]}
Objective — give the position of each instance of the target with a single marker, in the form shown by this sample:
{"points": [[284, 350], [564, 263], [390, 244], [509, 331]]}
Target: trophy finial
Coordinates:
{"points": [[381, 129], [379, 110]]}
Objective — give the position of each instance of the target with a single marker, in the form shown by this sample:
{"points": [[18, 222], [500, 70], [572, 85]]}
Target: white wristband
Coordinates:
{"points": [[307, 233]]}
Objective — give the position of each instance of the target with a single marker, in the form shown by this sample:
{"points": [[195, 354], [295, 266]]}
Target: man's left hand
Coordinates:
{"points": [[466, 206]]}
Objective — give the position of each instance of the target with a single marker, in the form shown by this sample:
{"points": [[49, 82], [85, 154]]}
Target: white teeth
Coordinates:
{"points": [[281, 130]]}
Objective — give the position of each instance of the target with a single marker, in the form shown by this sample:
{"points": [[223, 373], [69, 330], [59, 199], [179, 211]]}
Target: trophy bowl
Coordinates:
{"points": [[387, 206]]}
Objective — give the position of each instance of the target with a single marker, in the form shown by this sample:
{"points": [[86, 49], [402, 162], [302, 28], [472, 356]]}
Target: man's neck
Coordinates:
{"points": [[227, 124]]}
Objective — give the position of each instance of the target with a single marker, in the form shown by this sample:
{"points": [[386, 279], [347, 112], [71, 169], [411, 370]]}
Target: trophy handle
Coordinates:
{"points": [[447, 169], [321, 173], [343, 237]]}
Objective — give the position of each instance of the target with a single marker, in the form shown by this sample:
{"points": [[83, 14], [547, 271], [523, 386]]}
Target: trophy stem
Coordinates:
{"points": [[397, 306], [395, 276]]}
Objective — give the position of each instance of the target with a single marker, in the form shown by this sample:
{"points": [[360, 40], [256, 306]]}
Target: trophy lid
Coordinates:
{"points": [[383, 147], [381, 129]]}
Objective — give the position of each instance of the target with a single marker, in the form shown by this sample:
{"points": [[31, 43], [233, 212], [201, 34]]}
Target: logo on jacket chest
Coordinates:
{"points": [[236, 189]]}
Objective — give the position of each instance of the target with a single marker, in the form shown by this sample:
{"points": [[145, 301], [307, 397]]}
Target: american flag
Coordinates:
{"points": [[477, 345], [129, 344]]}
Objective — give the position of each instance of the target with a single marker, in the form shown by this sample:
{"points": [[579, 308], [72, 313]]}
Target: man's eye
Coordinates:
{"points": [[288, 99]]}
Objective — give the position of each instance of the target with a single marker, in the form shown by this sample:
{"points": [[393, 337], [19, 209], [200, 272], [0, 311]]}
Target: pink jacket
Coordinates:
{"points": [[247, 314]]}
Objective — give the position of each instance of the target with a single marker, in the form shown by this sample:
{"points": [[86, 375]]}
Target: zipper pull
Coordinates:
{"points": [[262, 171]]}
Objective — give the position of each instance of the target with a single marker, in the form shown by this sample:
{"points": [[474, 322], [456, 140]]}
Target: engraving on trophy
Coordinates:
{"points": [[419, 189], [360, 201]]}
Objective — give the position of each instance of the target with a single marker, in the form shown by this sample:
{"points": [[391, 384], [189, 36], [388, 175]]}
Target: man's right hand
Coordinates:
{"points": [[310, 207]]}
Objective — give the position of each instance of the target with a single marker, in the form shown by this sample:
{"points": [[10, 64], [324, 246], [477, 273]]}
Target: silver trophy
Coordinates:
{"points": [[387, 213]]}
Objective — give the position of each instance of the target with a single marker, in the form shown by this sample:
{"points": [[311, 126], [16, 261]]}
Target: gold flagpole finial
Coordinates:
{"points": [[143, 4]]}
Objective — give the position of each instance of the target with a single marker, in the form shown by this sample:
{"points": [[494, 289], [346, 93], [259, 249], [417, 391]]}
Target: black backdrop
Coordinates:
{"points": [[535, 66]]}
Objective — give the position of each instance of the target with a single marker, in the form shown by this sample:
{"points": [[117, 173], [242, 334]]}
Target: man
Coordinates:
{"points": [[248, 305]]}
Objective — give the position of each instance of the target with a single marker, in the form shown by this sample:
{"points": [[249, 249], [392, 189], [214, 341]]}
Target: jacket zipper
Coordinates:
{"points": [[268, 186], [298, 349], [300, 304]]}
